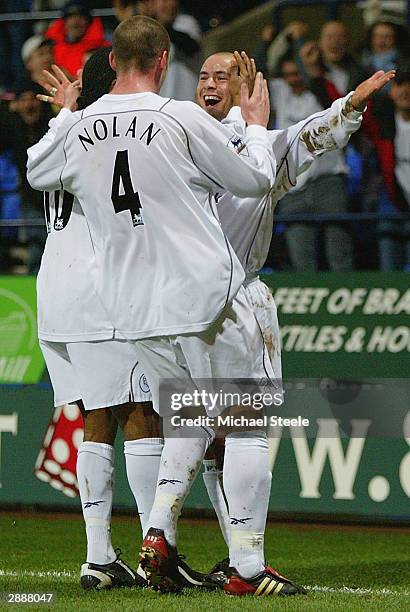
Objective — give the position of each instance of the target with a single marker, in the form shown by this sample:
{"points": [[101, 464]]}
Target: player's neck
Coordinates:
{"points": [[132, 82]]}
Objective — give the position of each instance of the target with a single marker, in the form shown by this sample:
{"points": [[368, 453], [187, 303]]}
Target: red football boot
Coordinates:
{"points": [[268, 582], [159, 561]]}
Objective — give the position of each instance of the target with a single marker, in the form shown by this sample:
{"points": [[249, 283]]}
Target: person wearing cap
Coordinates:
{"points": [[74, 34], [37, 55]]}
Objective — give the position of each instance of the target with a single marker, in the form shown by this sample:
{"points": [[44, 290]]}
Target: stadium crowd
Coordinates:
{"points": [[305, 75]]}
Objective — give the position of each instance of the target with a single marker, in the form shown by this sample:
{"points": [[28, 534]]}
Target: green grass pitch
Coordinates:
{"points": [[344, 568]]}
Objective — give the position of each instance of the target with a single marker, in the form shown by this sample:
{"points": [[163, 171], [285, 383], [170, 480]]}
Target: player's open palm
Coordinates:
{"points": [[365, 90], [55, 83], [256, 108], [246, 68]]}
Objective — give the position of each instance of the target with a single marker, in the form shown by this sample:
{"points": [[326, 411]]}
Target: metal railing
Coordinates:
{"points": [[347, 217], [48, 15]]}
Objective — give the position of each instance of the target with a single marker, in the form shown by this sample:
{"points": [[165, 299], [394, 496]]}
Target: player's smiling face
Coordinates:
{"points": [[213, 91]]}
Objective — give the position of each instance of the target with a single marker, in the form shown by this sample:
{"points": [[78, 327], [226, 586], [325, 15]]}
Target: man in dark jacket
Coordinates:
{"points": [[388, 126], [21, 126]]}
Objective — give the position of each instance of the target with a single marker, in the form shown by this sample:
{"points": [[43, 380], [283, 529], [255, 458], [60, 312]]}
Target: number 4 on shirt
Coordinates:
{"points": [[128, 199]]}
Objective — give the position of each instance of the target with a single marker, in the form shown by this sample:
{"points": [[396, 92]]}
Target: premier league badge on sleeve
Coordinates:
{"points": [[238, 144]]}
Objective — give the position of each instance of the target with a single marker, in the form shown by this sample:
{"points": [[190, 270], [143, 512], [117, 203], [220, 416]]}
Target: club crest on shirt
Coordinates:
{"points": [[143, 383], [238, 144]]}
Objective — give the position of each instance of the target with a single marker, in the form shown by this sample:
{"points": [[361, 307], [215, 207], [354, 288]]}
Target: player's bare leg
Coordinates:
{"points": [[95, 474], [142, 449]]}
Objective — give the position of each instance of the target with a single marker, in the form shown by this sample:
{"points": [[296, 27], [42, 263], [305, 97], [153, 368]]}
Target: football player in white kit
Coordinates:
{"points": [[248, 222], [87, 366], [84, 361], [143, 169]]}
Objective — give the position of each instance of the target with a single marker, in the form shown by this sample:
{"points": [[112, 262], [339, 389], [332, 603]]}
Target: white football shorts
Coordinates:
{"points": [[231, 348], [266, 314], [102, 373]]}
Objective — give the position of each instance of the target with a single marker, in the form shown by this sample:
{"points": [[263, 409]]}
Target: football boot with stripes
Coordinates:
{"points": [[111, 575], [221, 569], [268, 582], [191, 579]]}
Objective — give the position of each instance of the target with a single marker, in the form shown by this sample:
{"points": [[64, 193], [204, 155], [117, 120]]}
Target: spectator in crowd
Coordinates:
{"points": [[21, 127], [74, 34], [321, 190], [9, 209], [329, 69], [389, 126], [185, 34], [386, 44], [274, 46], [127, 8], [47, 5], [383, 10], [37, 55], [12, 36]]}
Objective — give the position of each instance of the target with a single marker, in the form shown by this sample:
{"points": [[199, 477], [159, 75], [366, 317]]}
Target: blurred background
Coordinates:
{"points": [[311, 51]]}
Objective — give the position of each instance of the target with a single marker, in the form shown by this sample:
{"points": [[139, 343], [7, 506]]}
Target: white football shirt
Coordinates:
{"points": [[248, 222], [290, 109], [68, 306], [142, 169]]}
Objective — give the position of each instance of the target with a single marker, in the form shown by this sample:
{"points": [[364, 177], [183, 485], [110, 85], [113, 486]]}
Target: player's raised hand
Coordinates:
{"points": [[55, 83], [242, 70], [246, 69], [71, 94], [365, 90], [256, 108]]}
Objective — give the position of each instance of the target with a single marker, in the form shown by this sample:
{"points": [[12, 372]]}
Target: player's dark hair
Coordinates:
{"points": [[97, 78], [137, 42]]}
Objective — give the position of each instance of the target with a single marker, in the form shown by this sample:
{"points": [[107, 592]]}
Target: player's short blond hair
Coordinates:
{"points": [[137, 42]]}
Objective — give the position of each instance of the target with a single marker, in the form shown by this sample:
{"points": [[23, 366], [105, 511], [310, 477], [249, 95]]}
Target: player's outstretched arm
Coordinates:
{"points": [[369, 87], [325, 131]]}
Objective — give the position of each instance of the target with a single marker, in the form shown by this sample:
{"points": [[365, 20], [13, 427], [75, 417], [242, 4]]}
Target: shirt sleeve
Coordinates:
{"points": [[297, 147], [46, 159], [243, 165]]}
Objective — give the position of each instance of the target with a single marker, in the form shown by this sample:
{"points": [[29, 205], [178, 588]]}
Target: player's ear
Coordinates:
{"points": [[111, 59], [163, 60]]}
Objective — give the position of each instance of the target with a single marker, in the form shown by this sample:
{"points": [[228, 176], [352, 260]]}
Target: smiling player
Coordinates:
{"points": [[248, 224]]}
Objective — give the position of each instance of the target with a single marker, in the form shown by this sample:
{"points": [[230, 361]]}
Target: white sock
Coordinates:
{"points": [[212, 479], [247, 481], [95, 474], [142, 459], [180, 462]]}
